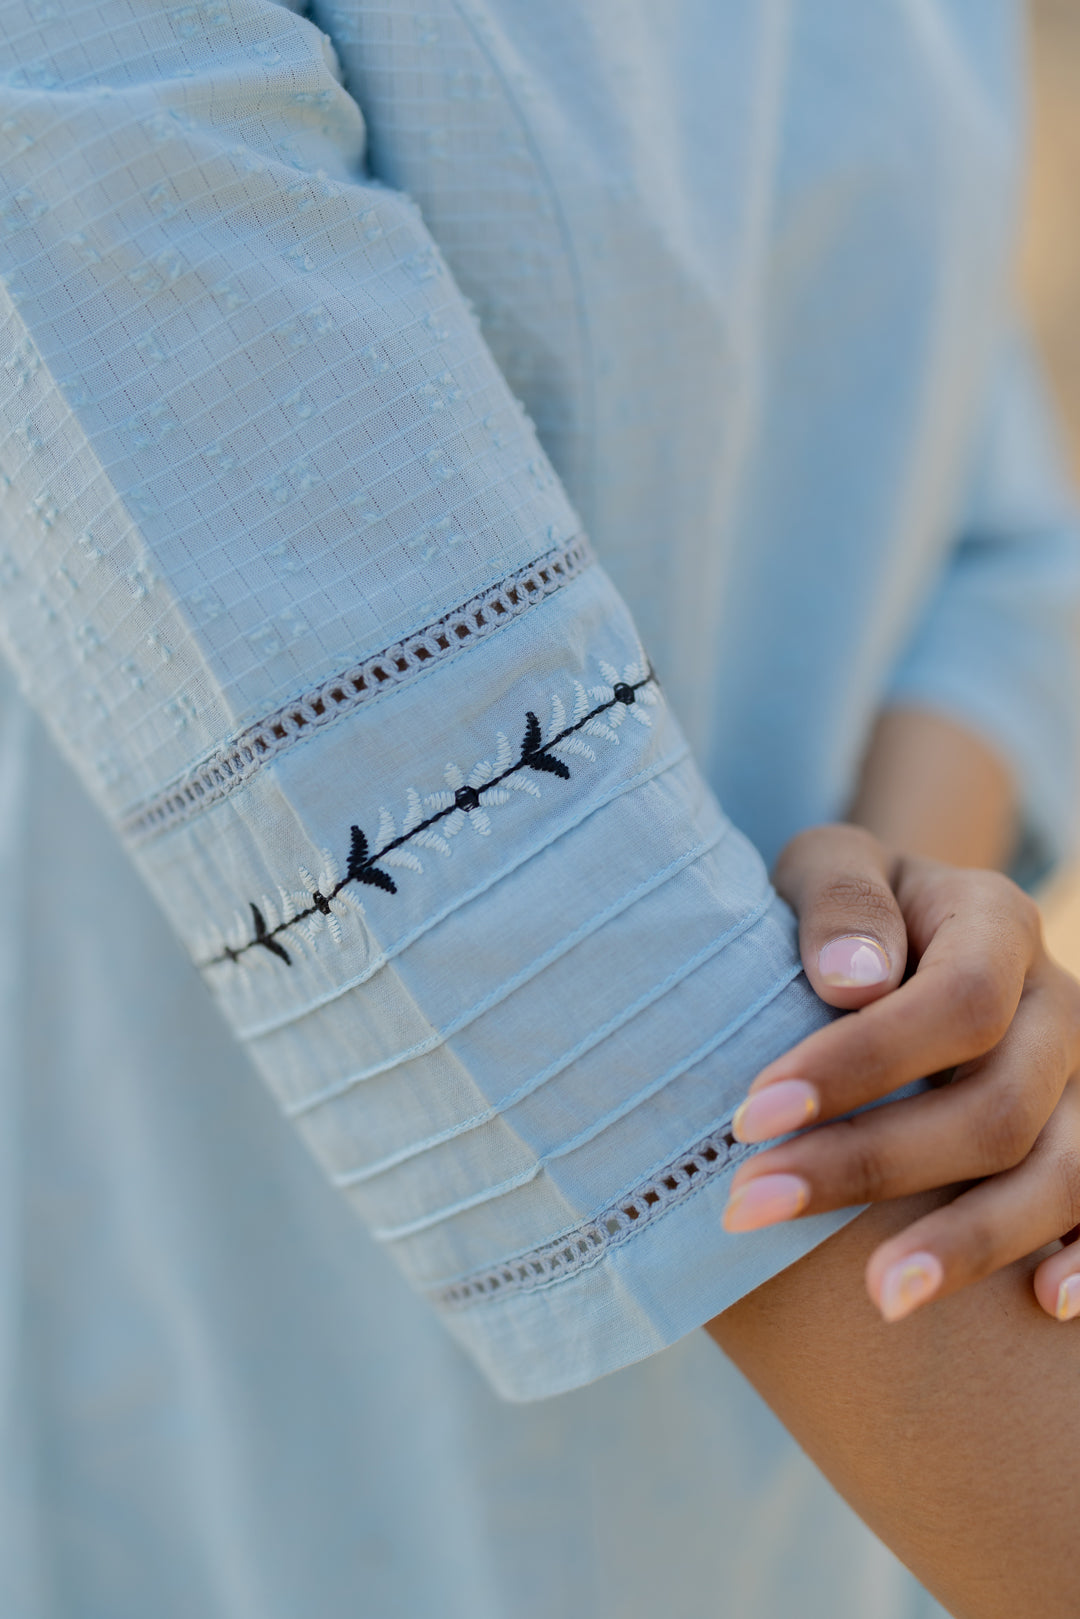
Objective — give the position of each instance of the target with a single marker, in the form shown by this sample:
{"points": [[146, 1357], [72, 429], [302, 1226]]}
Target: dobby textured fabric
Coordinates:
{"points": [[412, 705], [221, 1399]]}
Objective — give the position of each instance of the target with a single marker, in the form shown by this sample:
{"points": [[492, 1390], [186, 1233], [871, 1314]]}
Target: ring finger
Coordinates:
{"points": [[1001, 1220], [981, 1124]]}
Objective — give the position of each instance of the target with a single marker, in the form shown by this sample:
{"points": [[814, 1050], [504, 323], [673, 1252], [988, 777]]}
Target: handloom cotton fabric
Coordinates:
{"points": [[305, 596]]}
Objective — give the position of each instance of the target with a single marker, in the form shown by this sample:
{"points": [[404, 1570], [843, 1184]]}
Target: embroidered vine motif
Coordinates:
{"points": [[465, 800], [237, 760]]}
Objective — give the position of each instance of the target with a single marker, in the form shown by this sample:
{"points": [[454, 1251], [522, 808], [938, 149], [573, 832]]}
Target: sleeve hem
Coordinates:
{"points": [[642, 1295]]}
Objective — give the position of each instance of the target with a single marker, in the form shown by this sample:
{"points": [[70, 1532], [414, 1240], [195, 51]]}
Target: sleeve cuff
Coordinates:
{"points": [[509, 969]]}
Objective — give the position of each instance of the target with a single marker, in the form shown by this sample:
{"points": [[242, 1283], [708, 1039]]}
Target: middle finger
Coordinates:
{"points": [[984, 1122], [955, 1008]]}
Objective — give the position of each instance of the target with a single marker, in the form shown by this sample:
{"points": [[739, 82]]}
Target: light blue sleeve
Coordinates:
{"points": [[288, 574], [998, 648]]}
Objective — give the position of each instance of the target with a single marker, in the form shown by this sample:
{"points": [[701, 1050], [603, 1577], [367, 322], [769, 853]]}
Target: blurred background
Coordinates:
{"points": [[1050, 282]]}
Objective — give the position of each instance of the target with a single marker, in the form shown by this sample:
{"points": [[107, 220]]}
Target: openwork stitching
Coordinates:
{"points": [[236, 761], [464, 799], [588, 1243]]}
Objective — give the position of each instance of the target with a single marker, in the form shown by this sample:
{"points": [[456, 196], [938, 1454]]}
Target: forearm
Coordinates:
{"points": [[954, 1434], [929, 786], [949, 1433]]}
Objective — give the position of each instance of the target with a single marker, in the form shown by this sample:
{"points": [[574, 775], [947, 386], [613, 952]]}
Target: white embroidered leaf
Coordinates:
{"points": [[387, 829], [269, 912], [641, 717], [334, 926], [432, 840], [574, 744], [480, 822], [581, 702], [558, 715], [610, 674], [208, 944], [598, 728], [401, 857], [600, 694], [495, 795], [522, 784], [479, 773], [414, 811], [504, 757], [453, 777], [438, 801], [288, 908]]}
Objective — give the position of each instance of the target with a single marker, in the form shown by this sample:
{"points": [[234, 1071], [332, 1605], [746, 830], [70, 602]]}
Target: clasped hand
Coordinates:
{"points": [[946, 975]]}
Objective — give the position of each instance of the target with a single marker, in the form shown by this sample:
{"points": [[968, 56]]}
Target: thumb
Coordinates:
{"points": [[852, 935]]}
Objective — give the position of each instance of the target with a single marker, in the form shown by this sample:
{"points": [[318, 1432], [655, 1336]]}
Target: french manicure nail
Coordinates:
{"points": [[1068, 1299], [788, 1105], [852, 962], [765, 1201], [909, 1283]]}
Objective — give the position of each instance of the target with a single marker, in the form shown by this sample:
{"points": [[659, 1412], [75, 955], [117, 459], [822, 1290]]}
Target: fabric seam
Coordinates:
{"points": [[237, 761]]}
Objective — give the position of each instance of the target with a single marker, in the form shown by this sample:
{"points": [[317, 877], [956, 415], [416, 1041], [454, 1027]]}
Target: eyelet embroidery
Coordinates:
{"points": [[587, 1244], [236, 761], [465, 799]]}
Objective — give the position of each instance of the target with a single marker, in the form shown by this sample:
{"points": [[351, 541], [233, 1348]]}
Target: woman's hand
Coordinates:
{"points": [[985, 1012]]}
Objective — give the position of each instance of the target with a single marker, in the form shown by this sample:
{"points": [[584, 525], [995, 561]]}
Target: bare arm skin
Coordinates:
{"points": [[930, 787], [954, 1433]]}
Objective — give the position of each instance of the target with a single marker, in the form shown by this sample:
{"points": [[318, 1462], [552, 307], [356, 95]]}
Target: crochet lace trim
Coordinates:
{"points": [[588, 1243], [237, 760]]}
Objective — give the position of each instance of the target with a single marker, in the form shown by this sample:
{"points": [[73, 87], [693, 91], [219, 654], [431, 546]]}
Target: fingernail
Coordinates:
{"points": [[852, 962], [1068, 1299], [909, 1283], [788, 1105], [765, 1201]]}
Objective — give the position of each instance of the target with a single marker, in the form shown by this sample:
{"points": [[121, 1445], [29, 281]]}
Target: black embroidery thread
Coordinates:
{"points": [[240, 758], [363, 865]]}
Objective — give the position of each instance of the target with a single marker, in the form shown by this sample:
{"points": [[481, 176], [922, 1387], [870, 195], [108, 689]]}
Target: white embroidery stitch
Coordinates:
{"points": [[237, 760], [465, 798]]}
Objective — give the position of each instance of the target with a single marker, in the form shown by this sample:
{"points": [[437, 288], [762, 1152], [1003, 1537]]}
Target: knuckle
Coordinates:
{"points": [[865, 1175], [1028, 914], [1066, 1174], [980, 1247], [1012, 909], [979, 1006], [1005, 1133]]}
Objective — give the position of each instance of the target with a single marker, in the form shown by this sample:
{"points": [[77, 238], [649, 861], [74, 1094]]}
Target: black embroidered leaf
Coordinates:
{"points": [[377, 878], [263, 937], [362, 866], [533, 755], [358, 852], [360, 871], [547, 761], [531, 743]]}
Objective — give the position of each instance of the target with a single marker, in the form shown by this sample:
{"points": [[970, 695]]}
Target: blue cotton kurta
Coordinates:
{"points": [[424, 778]]}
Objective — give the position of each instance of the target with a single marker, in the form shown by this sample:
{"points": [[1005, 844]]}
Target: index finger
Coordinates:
{"points": [[955, 1008]]}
